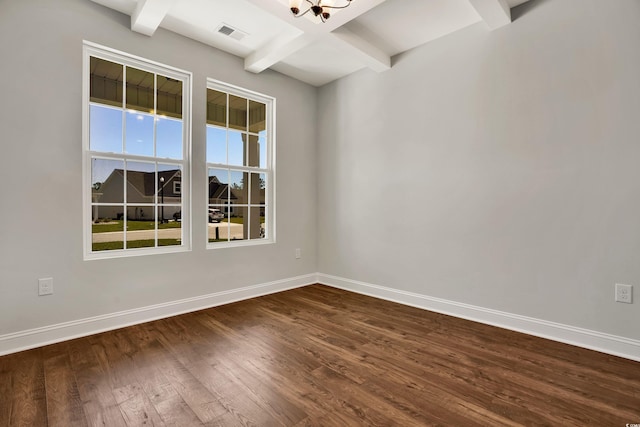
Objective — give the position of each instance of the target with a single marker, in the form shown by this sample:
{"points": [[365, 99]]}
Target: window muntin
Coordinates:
{"points": [[136, 150], [240, 176]]}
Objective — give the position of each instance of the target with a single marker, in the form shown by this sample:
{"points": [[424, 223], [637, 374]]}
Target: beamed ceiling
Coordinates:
{"points": [[365, 35]]}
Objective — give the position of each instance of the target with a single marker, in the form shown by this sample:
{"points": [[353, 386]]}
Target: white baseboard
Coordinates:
{"points": [[37, 337], [605, 343], [593, 340]]}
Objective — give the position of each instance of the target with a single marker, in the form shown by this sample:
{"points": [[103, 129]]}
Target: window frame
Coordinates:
{"points": [[269, 170], [128, 60]]}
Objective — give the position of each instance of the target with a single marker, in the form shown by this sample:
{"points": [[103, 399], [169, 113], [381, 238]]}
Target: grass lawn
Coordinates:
{"points": [[110, 246], [132, 226]]}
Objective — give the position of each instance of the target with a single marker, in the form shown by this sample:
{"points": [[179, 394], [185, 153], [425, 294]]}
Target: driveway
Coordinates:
{"points": [[225, 230]]}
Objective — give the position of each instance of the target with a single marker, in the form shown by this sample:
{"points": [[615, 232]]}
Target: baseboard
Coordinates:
{"points": [[593, 340], [37, 337]]}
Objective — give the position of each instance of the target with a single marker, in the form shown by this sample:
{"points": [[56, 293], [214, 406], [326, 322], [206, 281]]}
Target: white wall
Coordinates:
{"points": [[497, 169], [41, 172]]}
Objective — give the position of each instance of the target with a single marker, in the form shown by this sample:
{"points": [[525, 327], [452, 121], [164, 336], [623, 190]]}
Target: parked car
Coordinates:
{"points": [[215, 215]]}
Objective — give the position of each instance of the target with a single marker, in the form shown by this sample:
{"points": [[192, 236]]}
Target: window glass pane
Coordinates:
{"points": [[257, 225], [262, 141], [216, 108], [218, 186], [140, 182], [172, 213], [105, 129], [106, 228], [236, 148], [218, 230], [140, 90], [165, 213], [239, 190], [170, 233], [258, 186], [238, 225], [237, 113], [139, 134], [107, 181], [216, 145], [105, 82], [257, 116], [168, 138], [141, 227], [169, 97], [253, 151], [169, 177]]}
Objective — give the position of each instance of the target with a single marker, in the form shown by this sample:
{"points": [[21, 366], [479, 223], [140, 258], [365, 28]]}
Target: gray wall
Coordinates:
{"points": [[498, 169], [41, 172]]}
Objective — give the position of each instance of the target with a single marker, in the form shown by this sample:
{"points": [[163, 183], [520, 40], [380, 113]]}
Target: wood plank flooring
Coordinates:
{"points": [[316, 356]]}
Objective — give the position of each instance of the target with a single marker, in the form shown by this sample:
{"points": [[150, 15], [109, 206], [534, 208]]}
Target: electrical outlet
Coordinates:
{"points": [[298, 253], [624, 293], [45, 286]]}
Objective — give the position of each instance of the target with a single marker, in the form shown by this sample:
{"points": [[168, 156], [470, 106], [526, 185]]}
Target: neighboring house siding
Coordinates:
{"points": [[140, 190]]}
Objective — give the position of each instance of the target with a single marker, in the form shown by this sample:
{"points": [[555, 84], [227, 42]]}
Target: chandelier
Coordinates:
{"points": [[318, 7]]}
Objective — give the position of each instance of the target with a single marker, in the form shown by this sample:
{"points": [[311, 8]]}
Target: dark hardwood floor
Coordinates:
{"points": [[316, 356]]}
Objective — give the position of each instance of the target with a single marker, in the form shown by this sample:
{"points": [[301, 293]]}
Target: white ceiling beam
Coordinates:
{"points": [[496, 13], [371, 55], [275, 51], [148, 15]]}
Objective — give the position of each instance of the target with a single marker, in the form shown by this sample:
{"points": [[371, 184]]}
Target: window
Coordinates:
{"points": [[240, 129], [136, 154]]}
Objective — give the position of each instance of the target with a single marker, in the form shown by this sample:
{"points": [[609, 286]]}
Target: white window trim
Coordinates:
{"points": [[177, 187], [270, 195], [92, 49]]}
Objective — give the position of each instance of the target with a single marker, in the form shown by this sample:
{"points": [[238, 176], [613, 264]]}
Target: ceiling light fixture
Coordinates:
{"points": [[318, 7]]}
